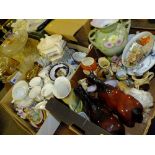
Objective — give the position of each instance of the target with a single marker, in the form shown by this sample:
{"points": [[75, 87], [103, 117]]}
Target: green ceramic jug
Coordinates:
{"points": [[111, 38]]}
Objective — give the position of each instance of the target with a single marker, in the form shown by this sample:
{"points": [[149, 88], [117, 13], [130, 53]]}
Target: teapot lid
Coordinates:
{"points": [[101, 23]]}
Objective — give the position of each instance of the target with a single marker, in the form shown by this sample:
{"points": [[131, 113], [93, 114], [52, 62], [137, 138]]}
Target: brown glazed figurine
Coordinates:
{"points": [[99, 114], [125, 106]]}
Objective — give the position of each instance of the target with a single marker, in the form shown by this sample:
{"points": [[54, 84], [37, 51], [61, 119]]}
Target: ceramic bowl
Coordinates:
{"points": [[78, 56]]}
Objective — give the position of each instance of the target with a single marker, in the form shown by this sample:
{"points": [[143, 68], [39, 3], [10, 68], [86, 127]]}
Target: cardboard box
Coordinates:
{"points": [[69, 117], [72, 29], [12, 124]]}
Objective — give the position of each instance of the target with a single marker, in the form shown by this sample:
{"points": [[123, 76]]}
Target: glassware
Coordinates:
{"points": [[8, 67]]}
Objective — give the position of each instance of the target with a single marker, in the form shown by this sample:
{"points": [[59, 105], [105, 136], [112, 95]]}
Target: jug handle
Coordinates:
{"points": [[91, 36], [127, 24]]}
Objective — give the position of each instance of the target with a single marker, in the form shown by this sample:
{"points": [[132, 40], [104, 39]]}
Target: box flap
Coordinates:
{"points": [[65, 27]]}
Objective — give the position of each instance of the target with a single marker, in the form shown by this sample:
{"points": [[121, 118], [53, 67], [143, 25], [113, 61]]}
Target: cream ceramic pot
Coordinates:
{"points": [[110, 36]]}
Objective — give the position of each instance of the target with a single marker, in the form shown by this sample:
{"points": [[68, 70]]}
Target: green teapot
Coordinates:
{"points": [[109, 35]]}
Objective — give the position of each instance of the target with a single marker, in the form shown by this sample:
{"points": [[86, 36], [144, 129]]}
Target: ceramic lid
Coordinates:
{"points": [[101, 23]]}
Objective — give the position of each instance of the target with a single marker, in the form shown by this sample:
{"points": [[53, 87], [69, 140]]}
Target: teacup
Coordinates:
{"points": [[78, 56], [20, 90], [62, 87], [47, 90], [36, 81], [105, 66], [88, 64], [121, 74], [35, 93]]}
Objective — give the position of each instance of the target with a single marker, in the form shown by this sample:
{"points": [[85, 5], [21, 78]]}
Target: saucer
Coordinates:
{"points": [[57, 70]]}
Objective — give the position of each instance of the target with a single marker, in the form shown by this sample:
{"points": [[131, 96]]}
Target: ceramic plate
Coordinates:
{"points": [[144, 66], [58, 70], [146, 48]]}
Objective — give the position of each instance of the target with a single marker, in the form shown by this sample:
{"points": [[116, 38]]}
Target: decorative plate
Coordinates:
{"points": [[136, 51], [57, 70]]}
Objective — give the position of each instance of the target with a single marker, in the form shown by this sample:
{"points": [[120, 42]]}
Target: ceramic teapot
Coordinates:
{"points": [[110, 35]]}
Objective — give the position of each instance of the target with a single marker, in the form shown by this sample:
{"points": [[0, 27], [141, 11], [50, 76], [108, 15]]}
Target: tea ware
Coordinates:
{"points": [[143, 66], [26, 102], [35, 92], [121, 74], [62, 87], [100, 23], [88, 64], [78, 56], [104, 64], [110, 36], [60, 69], [41, 105], [135, 52], [20, 90], [36, 81], [47, 90], [36, 117]]}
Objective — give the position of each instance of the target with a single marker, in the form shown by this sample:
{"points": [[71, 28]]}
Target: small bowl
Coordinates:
{"points": [[78, 56]]}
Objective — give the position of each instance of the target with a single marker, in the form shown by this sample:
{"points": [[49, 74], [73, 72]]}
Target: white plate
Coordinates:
{"points": [[56, 67]]}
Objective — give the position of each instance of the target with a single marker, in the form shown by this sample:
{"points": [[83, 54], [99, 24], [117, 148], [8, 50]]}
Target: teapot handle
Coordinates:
{"points": [[91, 36], [127, 24]]}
